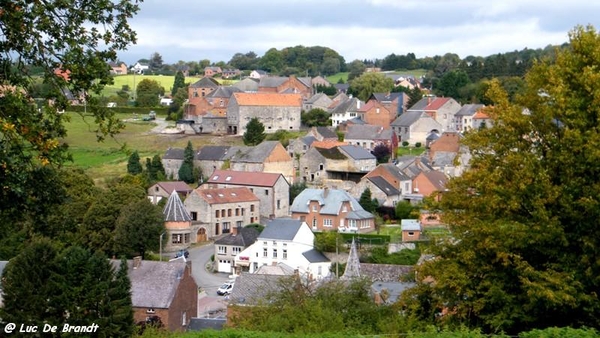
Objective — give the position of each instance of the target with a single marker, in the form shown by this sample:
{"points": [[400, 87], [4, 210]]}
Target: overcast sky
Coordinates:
{"points": [[192, 30]]}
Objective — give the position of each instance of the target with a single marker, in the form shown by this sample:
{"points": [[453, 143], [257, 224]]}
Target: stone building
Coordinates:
{"points": [[178, 225], [275, 111]]}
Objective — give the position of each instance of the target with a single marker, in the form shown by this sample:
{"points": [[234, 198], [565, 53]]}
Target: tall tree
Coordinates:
{"points": [[179, 82], [369, 83], [148, 92], [156, 61], [356, 68], [525, 251], [366, 201], [49, 38], [157, 168], [186, 171], [138, 228], [255, 132], [134, 166]]}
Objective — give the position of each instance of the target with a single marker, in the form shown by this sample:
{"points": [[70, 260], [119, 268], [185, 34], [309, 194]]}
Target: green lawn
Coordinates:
{"points": [[401, 151], [132, 80], [395, 232], [335, 78], [414, 72]]}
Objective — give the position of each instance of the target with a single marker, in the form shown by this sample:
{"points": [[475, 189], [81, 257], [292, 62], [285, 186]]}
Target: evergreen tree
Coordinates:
{"points": [[179, 82], [367, 202], [157, 168], [134, 166], [255, 132], [138, 228], [119, 294], [186, 172], [149, 170]]}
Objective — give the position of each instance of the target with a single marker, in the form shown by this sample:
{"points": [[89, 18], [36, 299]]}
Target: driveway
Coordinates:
{"points": [[209, 281]]}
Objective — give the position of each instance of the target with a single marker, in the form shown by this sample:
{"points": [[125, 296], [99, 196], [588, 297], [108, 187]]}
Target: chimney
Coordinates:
{"points": [[357, 104], [137, 262], [325, 192], [236, 230]]}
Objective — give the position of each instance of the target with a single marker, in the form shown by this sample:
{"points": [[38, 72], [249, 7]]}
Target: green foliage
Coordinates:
{"points": [[155, 169], [414, 95], [134, 166], [450, 83], [329, 241], [327, 90], [379, 255], [418, 145], [368, 83], [295, 190], [148, 92], [367, 202], [562, 332], [356, 68], [257, 226], [186, 171], [255, 132], [525, 249], [405, 143], [71, 286], [382, 153], [138, 228], [283, 136], [178, 83], [405, 210], [340, 136], [316, 117]]}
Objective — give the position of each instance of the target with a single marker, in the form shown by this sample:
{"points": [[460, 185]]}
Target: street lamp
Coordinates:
{"points": [[160, 246]]}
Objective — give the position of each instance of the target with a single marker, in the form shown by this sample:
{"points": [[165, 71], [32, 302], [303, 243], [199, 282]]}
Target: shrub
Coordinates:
{"points": [[405, 143], [418, 145]]}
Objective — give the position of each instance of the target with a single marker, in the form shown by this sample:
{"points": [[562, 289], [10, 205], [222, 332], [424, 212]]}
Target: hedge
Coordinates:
{"points": [[125, 110]]}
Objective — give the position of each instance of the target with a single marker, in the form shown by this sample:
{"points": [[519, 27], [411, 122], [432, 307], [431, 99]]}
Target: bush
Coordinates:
{"points": [[405, 143], [418, 145]]}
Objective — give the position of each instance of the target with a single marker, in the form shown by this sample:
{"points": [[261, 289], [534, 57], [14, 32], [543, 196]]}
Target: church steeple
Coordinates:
{"points": [[353, 264]]}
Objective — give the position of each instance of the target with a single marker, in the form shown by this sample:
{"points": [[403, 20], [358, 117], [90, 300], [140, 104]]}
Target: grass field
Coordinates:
{"points": [[401, 151], [108, 159], [335, 78]]}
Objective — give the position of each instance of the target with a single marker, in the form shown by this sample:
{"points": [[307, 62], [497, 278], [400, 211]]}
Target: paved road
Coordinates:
{"points": [[209, 281]]}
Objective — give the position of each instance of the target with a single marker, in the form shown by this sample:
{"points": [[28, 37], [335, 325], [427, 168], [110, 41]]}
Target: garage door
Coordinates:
{"points": [[224, 266]]}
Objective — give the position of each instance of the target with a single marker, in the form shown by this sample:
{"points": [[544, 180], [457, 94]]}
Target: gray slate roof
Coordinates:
{"points": [[394, 289], [254, 288], [384, 186], [223, 92], [281, 229], [394, 170], [330, 205], [422, 103], [247, 85], [407, 118], [153, 284], [199, 324], [357, 153], [352, 264], [326, 132], [315, 97], [205, 82], [367, 132], [245, 238], [347, 105], [175, 210], [308, 140], [173, 154], [469, 109], [256, 154], [272, 81], [212, 153], [385, 97], [384, 272], [315, 256]]}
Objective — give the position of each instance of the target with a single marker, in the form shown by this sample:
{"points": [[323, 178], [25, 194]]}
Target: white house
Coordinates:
{"points": [[284, 240], [140, 68]]}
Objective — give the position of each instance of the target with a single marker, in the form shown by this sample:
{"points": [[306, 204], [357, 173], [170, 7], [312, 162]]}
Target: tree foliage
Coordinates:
{"points": [[382, 153], [138, 228], [368, 83], [367, 202], [148, 92], [179, 82], [186, 171], [316, 117], [134, 166], [526, 251], [255, 132]]}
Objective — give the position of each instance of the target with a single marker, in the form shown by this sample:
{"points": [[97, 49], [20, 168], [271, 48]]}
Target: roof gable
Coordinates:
{"points": [[244, 238], [178, 186], [281, 229], [357, 153], [205, 82], [212, 153], [226, 195]]}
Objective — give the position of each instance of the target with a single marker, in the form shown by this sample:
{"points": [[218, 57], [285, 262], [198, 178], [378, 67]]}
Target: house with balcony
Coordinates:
{"points": [[218, 211], [284, 240], [331, 210]]}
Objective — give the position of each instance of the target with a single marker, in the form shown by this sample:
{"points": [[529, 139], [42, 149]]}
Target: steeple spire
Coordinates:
{"points": [[353, 264]]}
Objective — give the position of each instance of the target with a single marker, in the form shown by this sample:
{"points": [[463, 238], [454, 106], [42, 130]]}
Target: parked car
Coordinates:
{"points": [[151, 116], [226, 288], [180, 253]]}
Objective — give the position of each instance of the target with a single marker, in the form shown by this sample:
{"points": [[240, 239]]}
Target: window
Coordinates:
{"points": [[406, 187], [352, 223], [239, 224], [228, 212], [184, 318], [274, 253], [411, 233], [278, 204], [266, 192], [236, 250], [222, 250], [156, 189], [327, 222], [321, 166], [284, 254], [314, 223], [176, 238], [314, 207], [344, 208], [264, 252], [242, 212], [186, 238], [222, 212], [194, 215], [251, 207], [226, 227], [320, 268], [217, 213], [237, 211]]}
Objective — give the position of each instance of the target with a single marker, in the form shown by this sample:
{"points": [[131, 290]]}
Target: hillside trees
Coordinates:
{"points": [[369, 83], [50, 37], [526, 251]]}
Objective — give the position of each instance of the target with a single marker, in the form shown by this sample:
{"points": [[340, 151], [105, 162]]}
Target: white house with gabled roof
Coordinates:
{"points": [[288, 241]]}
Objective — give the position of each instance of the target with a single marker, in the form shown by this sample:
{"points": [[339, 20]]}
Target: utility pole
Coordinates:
{"points": [[337, 257]]}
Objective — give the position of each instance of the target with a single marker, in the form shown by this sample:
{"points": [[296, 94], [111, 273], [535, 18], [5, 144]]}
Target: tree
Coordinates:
{"points": [[186, 171], [369, 83], [138, 228], [148, 92], [451, 83], [134, 166], [272, 61], [525, 250], [179, 82], [355, 69], [255, 132], [330, 66], [155, 62], [404, 210], [382, 153], [296, 189], [49, 39], [157, 167], [367, 202], [316, 117]]}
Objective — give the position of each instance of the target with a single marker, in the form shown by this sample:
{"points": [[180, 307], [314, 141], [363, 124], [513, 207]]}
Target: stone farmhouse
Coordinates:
{"points": [[286, 85], [215, 212], [271, 189], [331, 209], [275, 111], [441, 109]]}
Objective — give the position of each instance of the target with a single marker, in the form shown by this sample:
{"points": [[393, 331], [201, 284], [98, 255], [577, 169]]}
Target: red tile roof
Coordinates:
{"points": [[480, 115], [437, 103], [260, 179], [268, 99], [227, 195], [327, 144]]}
